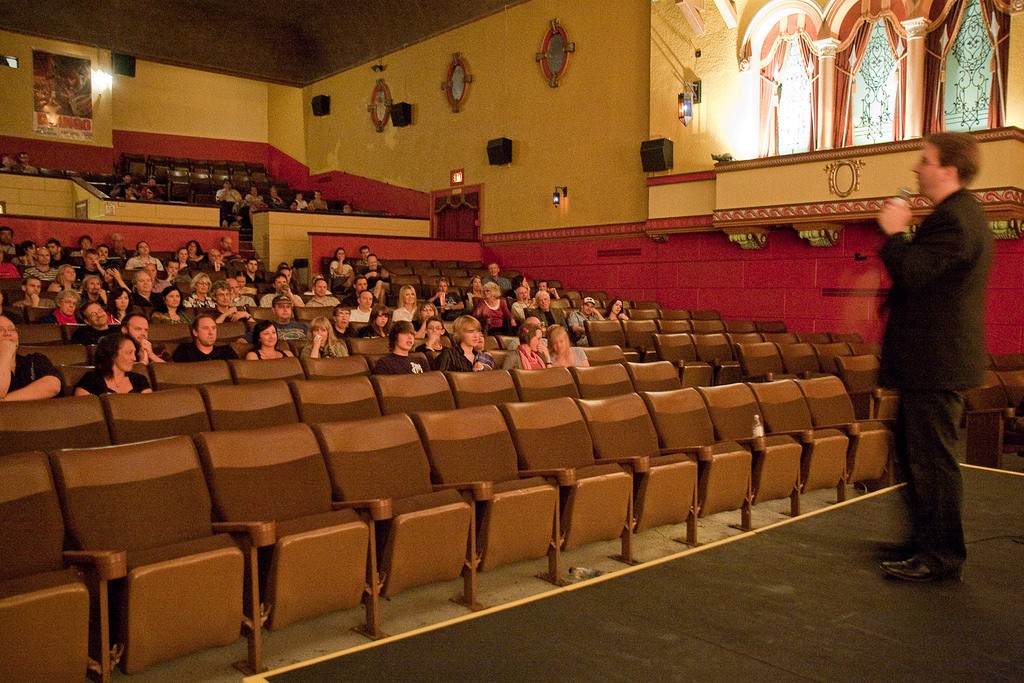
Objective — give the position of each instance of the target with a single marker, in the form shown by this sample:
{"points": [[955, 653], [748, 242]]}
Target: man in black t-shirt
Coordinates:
{"points": [[400, 341], [96, 326], [204, 338], [24, 378]]}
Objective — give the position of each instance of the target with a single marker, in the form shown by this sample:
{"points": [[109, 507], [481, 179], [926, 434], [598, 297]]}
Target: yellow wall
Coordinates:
{"points": [[16, 87], [285, 124], [176, 101], [1015, 77], [31, 195], [584, 134]]}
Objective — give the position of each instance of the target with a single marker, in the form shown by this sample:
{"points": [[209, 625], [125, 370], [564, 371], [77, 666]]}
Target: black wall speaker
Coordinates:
{"points": [[122, 65], [499, 151], [401, 114], [656, 155], [321, 105]]}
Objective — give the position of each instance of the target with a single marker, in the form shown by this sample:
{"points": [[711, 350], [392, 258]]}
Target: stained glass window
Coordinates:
{"points": [[968, 78], [875, 90], [794, 112]]}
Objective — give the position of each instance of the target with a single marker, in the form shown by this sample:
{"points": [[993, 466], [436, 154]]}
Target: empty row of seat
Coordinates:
{"points": [[309, 519]]}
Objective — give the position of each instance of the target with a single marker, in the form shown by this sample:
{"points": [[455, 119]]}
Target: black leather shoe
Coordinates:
{"points": [[916, 569]]}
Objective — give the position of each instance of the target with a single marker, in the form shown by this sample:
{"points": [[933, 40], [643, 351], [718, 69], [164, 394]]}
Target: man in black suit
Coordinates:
{"points": [[934, 347]]}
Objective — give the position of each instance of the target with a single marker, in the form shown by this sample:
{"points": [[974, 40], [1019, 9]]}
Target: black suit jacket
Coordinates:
{"points": [[935, 333]]}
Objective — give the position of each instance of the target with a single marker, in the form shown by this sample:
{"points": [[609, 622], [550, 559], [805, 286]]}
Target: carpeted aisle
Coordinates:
{"points": [[800, 601]]}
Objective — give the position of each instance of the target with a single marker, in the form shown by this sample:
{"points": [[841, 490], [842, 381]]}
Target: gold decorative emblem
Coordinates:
{"points": [[554, 53], [380, 105], [844, 177]]}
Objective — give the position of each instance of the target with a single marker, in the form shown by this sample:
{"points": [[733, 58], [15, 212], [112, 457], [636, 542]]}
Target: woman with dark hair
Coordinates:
{"points": [[195, 254], [615, 311], [466, 354], [530, 354], [172, 311], [114, 359], [380, 317], [181, 256], [264, 343], [119, 301]]}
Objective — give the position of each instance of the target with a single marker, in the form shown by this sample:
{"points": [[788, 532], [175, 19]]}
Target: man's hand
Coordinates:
{"points": [[895, 216]]}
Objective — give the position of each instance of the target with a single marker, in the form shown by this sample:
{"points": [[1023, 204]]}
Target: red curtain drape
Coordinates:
{"points": [[847, 64]]}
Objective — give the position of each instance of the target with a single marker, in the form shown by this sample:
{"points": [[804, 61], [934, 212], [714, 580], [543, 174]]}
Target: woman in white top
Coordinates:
{"points": [[142, 257], [406, 304], [562, 352], [200, 298]]}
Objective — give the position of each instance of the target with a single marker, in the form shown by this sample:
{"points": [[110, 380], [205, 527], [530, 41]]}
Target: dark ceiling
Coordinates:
{"points": [[294, 43]]}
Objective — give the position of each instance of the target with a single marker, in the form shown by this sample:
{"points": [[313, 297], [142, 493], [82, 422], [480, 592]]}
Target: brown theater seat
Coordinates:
{"points": [[184, 587], [243, 406], [716, 350], [657, 376], [141, 417], [602, 381], [431, 536], [49, 425], [245, 371], [341, 399], [761, 362], [490, 388], [678, 348], [320, 557], [330, 368], [174, 375], [410, 393], [44, 607], [520, 521], [541, 385]]}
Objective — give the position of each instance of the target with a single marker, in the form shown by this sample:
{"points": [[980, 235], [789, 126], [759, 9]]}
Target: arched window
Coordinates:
{"points": [[874, 101], [795, 124], [968, 77]]}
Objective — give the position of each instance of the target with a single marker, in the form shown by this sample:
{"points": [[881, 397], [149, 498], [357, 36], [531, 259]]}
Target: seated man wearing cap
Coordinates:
{"points": [[575, 320], [24, 378], [400, 341], [287, 327]]}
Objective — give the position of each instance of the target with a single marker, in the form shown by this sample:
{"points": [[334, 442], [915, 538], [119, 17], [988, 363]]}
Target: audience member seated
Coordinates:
{"points": [[400, 341], [90, 264], [561, 351], [317, 203], [475, 293], [239, 299], [229, 199], [493, 311], [215, 262], [7, 241], [322, 342], [66, 311], [362, 264], [171, 310], [97, 324], [275, 201], [359, 285], [282, 287], [286, 326], [530, 354], [200, 297], [227, 249], [170, 277], [114, 360], [542, 286], [406, 309], [66, 279], [253, 276], [377, 325], [577, 317], [103, 251], [426, 313], [340, 319], [8, 270], [377, 278], [25, 254], [119, 303], [615, 311], [224, 309], [466, 353], [361, 313], [118, 255], [544, 313], [24, 378], [449, 307], [119, 190], [181, 256], [341, 273], [136, 327], [522, 304], [493, 275], [42, 269], [264, 343], [142, 257], [321, 294], [300, 203], [156, 192], [432, 341], [58, 256], [33, 289], [204, 340], [196, 256], [143, 299]]}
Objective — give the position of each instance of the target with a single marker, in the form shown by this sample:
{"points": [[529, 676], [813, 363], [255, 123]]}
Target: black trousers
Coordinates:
{"points": [[929, 441]]}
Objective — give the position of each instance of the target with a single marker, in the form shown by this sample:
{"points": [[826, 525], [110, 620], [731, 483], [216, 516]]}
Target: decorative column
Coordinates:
{"points": [[826, 90], [913, 109]]}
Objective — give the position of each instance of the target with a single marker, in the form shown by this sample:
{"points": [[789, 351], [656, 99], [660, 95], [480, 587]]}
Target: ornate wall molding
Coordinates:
{"points": [[748, 238], [584, 232]]}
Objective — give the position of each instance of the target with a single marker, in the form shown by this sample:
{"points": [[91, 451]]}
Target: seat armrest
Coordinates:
{"points": [[260, 534], [563, 476], [849, 428], [638, 463], [804, 436], [108, 564], [755, 443], [481, 490], [379, 508], [699, 452]]}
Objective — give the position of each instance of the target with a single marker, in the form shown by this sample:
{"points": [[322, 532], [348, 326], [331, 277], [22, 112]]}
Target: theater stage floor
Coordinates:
{"points": [[796, 599]]}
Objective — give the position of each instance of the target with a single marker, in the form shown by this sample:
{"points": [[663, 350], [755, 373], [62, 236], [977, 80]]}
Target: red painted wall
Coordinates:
{"points": [[61, 155], [421, 249], [160, 237], [787, 280]]}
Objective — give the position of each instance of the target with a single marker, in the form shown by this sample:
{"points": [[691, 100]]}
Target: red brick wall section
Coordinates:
{"points": [[810, 289]]}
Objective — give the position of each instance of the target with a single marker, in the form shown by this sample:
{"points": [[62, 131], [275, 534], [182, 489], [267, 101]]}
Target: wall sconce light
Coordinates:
{"points": [[556, 197], [101, 80], [11, 61], [689, 97]]}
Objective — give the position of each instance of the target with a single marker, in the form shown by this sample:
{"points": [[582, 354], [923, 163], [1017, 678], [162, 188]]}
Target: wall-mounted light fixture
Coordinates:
{"points": [[689, 97], [556, 196], [101, 80], [11, 61]]}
